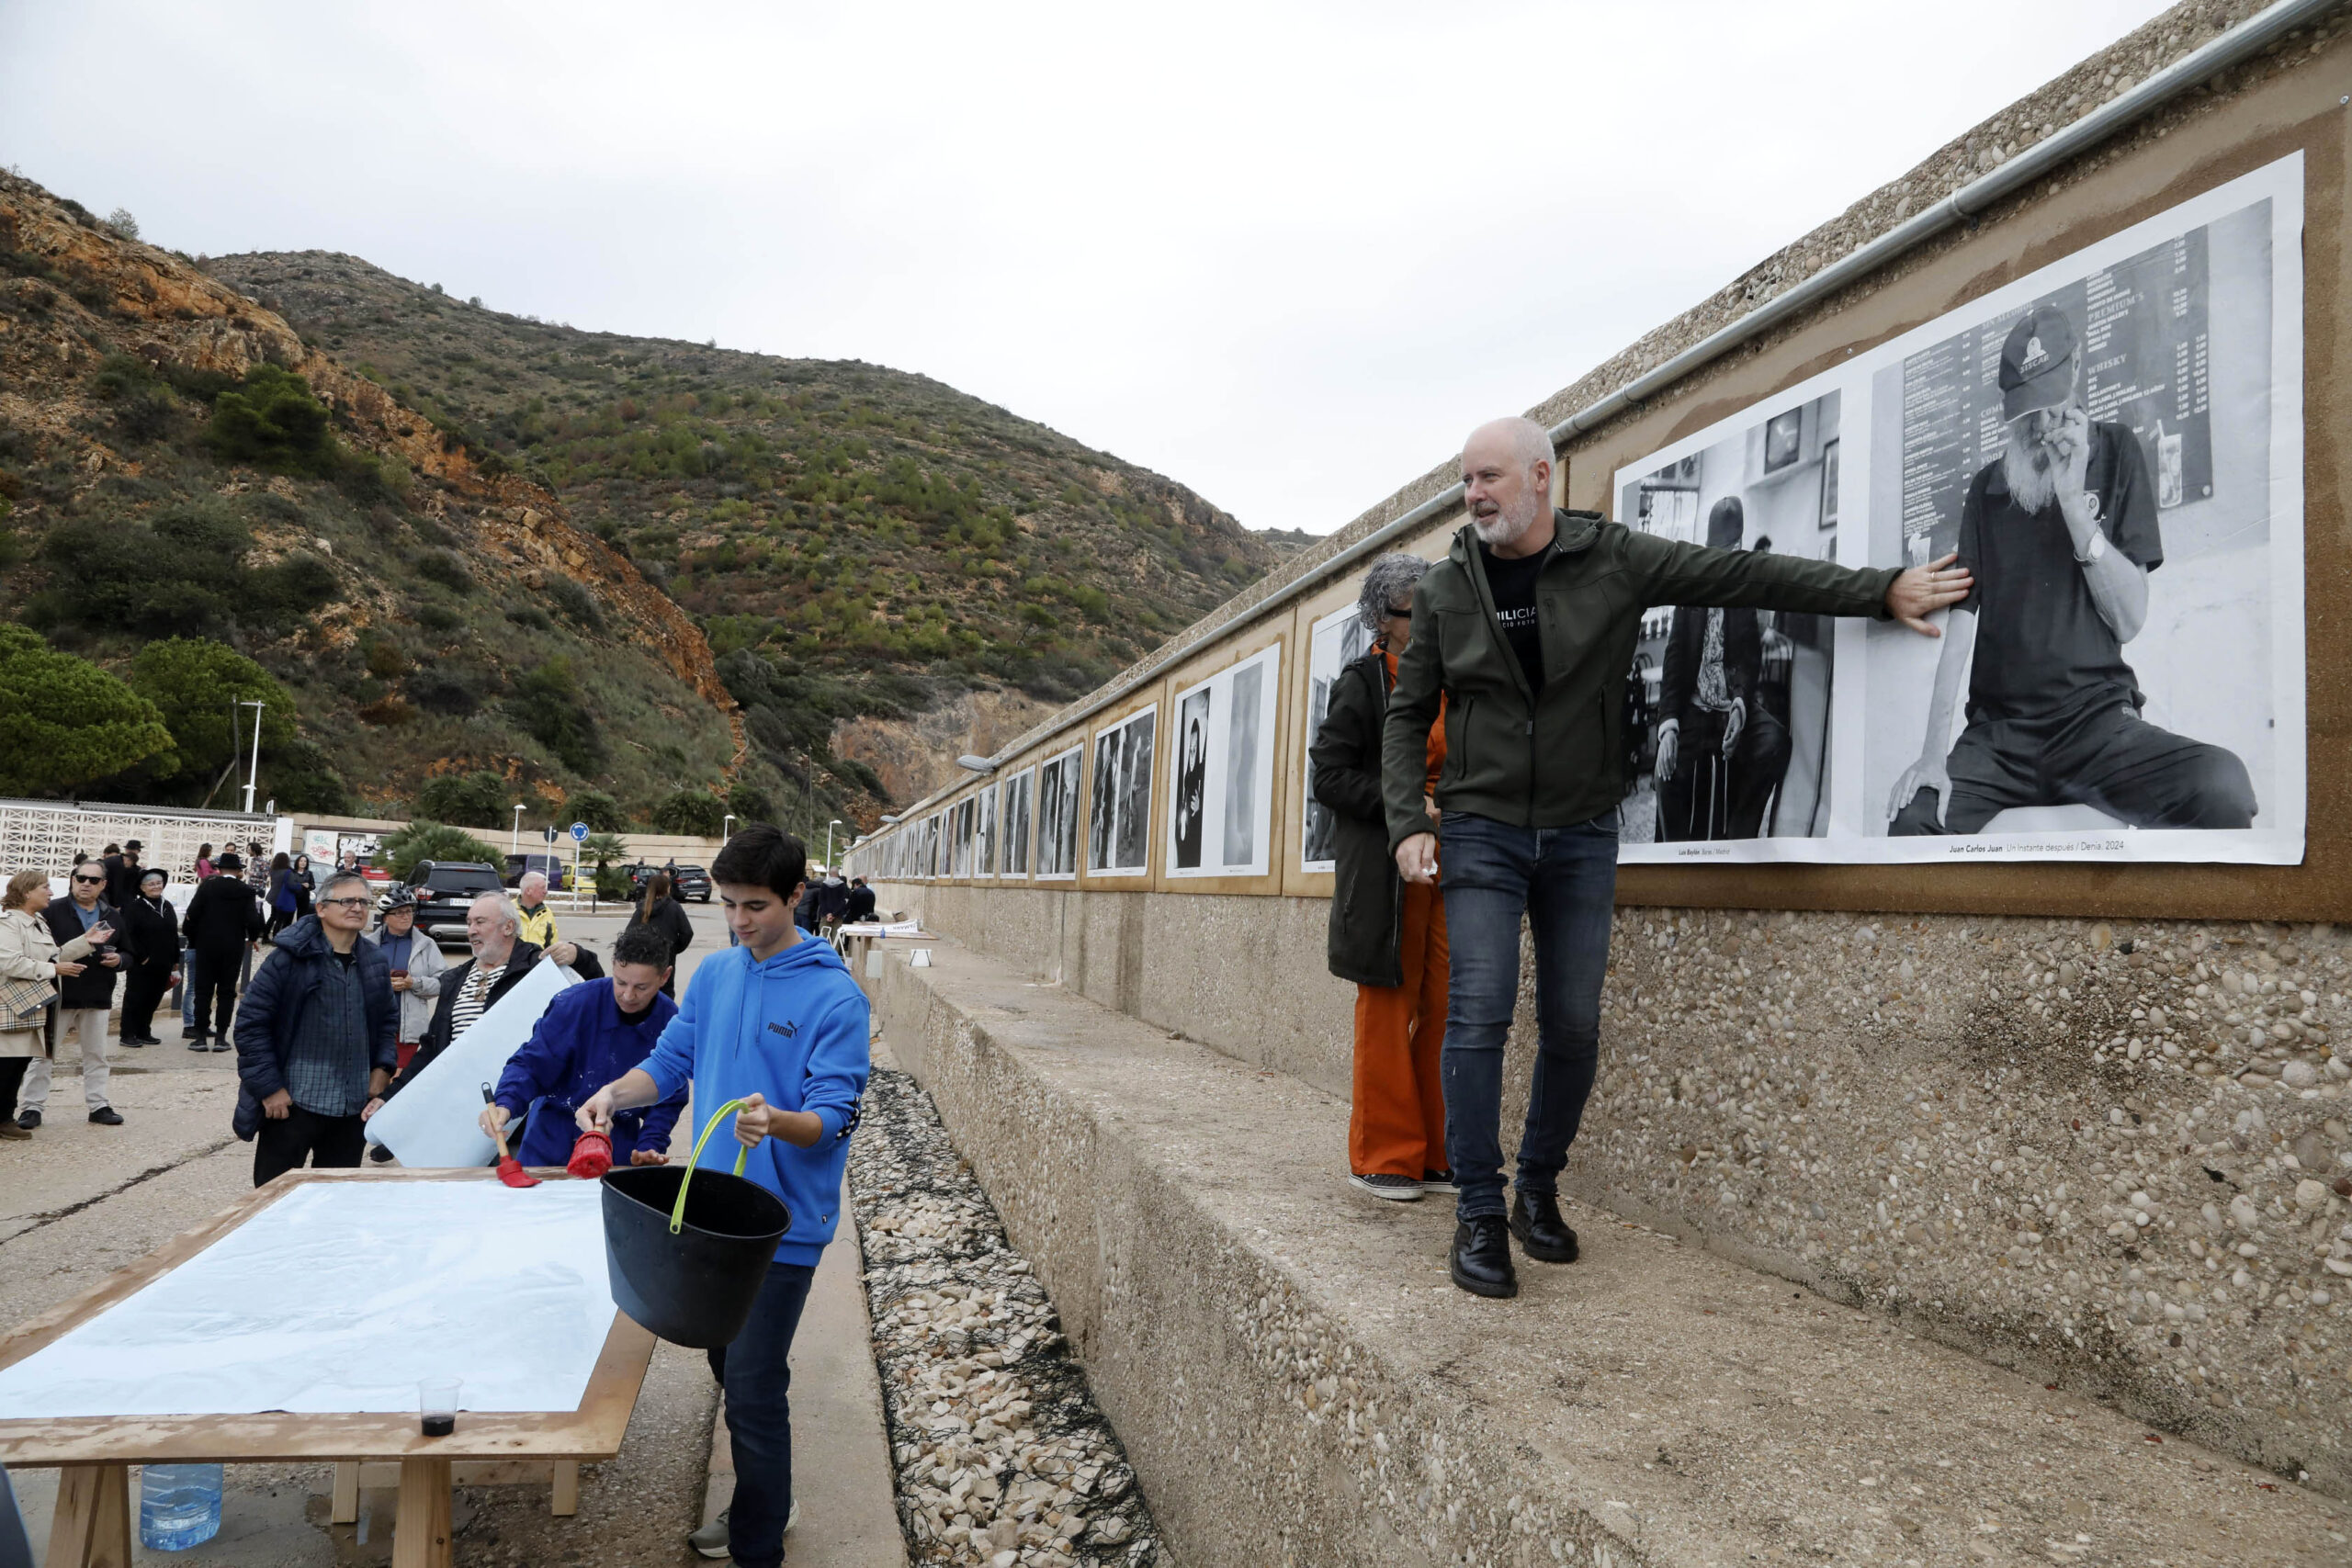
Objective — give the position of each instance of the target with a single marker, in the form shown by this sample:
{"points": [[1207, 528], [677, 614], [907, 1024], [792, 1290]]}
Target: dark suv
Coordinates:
{"points": [[685, 881], [445, 889]]}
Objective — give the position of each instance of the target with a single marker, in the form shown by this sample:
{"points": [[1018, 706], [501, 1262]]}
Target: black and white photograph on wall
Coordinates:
{"points": [[961, 821], [1118, 831], [985, 834], [1013, 819], [1332, 643], [2113, 446], [1224, 771], [1057, 802], [1727, 722], [1189, 806]]}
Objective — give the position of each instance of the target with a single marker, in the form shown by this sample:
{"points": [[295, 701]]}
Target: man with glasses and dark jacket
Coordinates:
{"points": [[1524, 632], [84, 1000], [315, 1037]]}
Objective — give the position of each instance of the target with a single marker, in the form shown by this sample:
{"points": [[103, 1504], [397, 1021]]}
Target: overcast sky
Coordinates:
{"points": [[1285, 253]]}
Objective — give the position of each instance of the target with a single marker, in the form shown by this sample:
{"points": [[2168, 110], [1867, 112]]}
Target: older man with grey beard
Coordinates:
{"points": [[1525, 630], [2059, 532]]}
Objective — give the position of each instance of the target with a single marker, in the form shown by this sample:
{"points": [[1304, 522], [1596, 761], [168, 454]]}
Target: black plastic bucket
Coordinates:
{"points": [[694, 1287]]}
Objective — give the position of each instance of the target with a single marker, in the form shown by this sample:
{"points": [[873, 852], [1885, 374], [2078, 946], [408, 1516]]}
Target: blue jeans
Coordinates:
{"points": [[1564, 881], [757, 1375]]}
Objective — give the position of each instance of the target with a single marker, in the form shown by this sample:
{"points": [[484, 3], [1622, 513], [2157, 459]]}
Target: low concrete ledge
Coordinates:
{"points": [[1296, 1381]]}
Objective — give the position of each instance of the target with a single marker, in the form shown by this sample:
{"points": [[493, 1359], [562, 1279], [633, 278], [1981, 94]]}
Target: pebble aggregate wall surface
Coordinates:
{"points": [[2116, 1152], [1001, 1457]]}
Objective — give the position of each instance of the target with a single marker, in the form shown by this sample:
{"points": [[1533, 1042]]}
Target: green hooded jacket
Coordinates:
{"points": [[1559, 760]]}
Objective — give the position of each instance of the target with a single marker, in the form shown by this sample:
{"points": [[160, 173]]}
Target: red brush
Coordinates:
{"points": [[591, 1157], [509, 1169]]}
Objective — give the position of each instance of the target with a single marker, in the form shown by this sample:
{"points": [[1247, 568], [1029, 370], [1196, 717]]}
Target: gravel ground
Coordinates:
{"points": [[1002, 1456]]}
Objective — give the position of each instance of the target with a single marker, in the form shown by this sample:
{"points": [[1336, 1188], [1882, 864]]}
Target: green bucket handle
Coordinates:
{"points": [[678, 1210]]}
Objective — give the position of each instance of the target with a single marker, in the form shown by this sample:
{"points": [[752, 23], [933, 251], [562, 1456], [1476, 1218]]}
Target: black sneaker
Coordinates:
{"points": [[1535, 1220], [1480, 1262], [28, 1119], [107, 1116], [1439, 1181], [222, 1045], [195, 1042], [380, 1155], [134, 1041], [1395, 1188]]}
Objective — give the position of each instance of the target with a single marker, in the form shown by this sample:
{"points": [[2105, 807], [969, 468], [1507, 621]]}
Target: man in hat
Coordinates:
{"points": [[1715, 742], [222, 921], [2059, 532]]}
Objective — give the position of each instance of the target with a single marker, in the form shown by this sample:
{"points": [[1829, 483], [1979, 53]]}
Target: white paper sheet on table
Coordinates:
{"points": [[435, 1123], [338, 1298]]}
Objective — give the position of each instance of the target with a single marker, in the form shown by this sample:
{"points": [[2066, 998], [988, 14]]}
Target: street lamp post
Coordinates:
{"points": [[515, 838], [836, 822], [253, 774]]}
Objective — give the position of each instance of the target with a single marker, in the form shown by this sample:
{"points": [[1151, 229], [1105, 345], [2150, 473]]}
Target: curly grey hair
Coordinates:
{"points": [[1390, 578]]}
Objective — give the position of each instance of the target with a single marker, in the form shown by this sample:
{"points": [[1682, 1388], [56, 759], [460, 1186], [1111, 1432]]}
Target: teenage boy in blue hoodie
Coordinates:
{"points": [[779, 1023]]}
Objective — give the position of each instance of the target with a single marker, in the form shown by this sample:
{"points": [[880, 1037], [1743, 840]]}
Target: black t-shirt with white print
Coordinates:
{"points": [[1512, 583]]}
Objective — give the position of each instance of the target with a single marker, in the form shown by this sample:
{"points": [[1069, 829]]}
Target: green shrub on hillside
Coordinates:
{"points": [[300, 778], [600, 811], [480, 797], [690, 812], [448, 569], [576, 602], [423, 839], [181, 573], [143, 405], [272, 421], [750, 803], [64, 721], [546, 701]]}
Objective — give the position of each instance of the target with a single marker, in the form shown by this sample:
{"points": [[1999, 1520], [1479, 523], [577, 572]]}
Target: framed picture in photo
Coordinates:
{"points": [[1783, 439], [1830, 483]]}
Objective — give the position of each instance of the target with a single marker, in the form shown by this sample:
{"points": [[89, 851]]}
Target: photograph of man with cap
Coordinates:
{"points": [[2059, 532]]}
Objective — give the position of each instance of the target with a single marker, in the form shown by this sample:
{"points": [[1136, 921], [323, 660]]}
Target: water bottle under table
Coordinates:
{"points": [[179, 1505]]}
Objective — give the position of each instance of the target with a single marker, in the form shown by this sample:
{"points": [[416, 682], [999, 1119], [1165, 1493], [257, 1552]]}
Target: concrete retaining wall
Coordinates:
{"points": [[1928, 1116], [1297, 1384]]}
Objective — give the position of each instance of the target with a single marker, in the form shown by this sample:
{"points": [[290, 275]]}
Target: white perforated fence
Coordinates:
{"points": [[45, 835]]}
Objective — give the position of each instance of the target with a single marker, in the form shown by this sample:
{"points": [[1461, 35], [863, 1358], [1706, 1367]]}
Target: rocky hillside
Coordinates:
{"points": [[176, 460], [862, 545]]}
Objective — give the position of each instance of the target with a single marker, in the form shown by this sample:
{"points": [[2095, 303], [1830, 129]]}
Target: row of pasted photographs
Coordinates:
{"points": [[2113, 445], [1031, 823]]}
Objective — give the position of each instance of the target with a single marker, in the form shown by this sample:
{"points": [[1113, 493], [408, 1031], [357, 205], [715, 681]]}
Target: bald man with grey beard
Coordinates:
{"points": [[1524, 633], [2059, 532]]}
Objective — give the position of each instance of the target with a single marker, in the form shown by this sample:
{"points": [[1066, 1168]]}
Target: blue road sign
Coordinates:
{"points": [[579, 832]]}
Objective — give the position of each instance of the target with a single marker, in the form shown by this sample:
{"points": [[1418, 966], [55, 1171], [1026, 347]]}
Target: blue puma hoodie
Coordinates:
{"points": [[795, 1030]]}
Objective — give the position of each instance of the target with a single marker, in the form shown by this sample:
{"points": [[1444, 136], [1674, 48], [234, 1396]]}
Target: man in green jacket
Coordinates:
{"points": [[1526, 630]]}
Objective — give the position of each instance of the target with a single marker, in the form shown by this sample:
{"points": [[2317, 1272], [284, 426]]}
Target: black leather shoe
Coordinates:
{"points": [[28, 1119], [1535, 1220], [1480, 1263], [107, 1116]]}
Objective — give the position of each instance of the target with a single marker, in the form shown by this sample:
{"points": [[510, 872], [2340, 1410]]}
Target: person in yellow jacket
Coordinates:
{"points": [[537, 921]]}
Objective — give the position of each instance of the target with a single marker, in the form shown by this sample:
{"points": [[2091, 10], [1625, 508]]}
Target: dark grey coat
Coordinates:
{"points": [[1367, 902]]}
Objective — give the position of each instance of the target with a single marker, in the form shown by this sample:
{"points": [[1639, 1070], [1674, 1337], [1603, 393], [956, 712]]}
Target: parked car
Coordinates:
{"points": [[555, 868], [686, 881], [445, 889]]}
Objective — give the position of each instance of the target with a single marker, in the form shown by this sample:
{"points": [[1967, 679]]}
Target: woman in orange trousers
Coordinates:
{"points": [[1386, 936]]}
